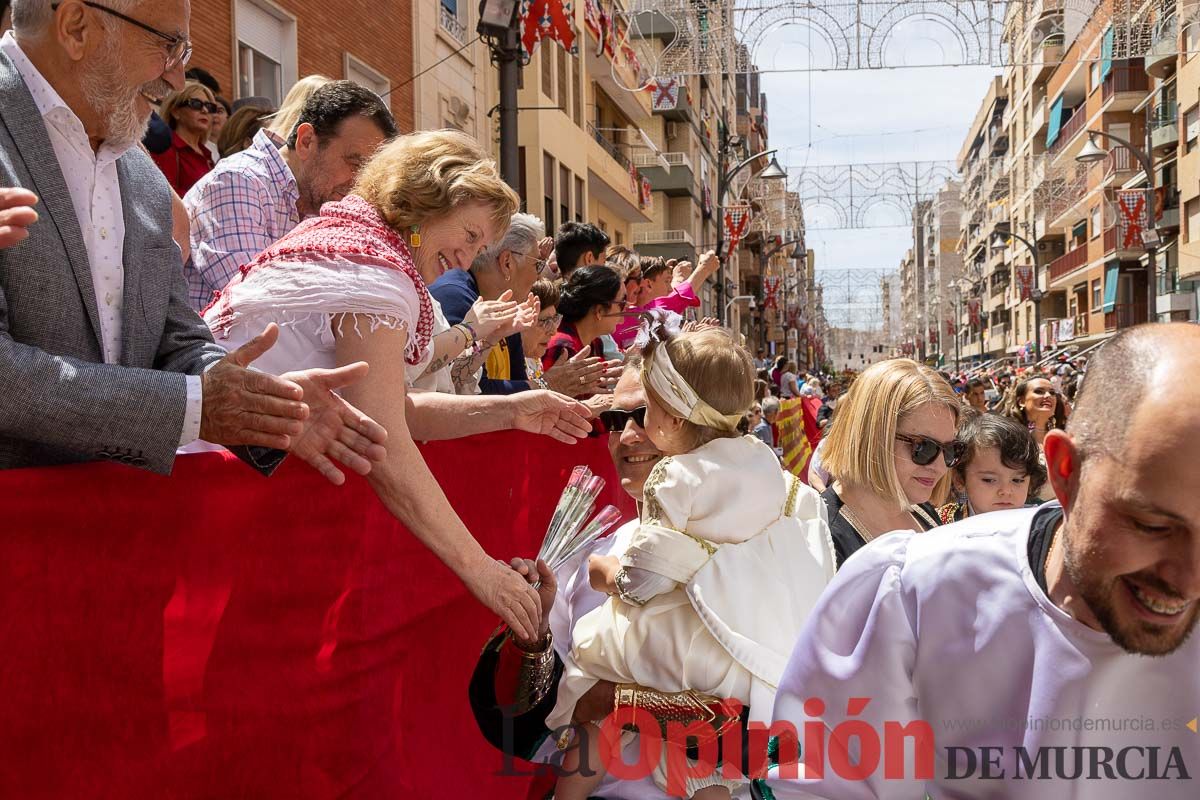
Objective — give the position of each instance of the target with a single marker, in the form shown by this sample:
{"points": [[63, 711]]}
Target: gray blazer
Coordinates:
{"points": [[58, 402]]}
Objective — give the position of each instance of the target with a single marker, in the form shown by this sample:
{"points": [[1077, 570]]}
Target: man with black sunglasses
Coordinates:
{"points": [[515, 683], [1047, 652]]}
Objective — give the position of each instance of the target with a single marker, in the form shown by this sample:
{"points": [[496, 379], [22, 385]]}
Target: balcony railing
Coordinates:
{"points": [[1070, 129], [451, 24], [1113, 242], [1125, 315], [609, 146], [1068, 263], [1125, 78], [664, 237]]}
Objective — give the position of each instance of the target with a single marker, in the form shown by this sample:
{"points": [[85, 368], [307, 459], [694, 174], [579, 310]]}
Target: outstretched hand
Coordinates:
{"points": [[508, 595], [336, 430], [551, 415]]}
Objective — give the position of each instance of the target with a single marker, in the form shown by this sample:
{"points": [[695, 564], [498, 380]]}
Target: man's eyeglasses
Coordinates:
{"points": [[925, 450], [550, 324], [179, 49], [196, 104], [616, 419]]}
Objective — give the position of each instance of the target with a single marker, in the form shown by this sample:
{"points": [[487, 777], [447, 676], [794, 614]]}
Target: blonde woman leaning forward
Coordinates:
{"points": [[350, 285], [283, 122], [889, 452]]}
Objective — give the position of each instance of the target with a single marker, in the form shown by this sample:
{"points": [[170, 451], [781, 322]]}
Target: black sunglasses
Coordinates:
{"points": [[196, 104], [615, 419], [925, 450]]}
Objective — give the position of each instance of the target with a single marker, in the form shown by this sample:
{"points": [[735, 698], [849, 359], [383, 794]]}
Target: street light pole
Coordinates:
{"points": [[499, 29], [737, 299], [724, 181]]}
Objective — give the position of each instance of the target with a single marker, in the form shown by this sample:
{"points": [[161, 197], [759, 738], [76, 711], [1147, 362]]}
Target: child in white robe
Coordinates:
{"points": [[730, 556]]}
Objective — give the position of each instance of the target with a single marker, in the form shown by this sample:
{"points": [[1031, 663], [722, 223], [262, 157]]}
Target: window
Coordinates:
{"points": [[266, 50], [1096, 222], [521, 188], [577, 93], [547, 73], [564, 193], [619, 238], [578, 199], [1191, 126], [1095, 294], [1191, 40], [563, 86], [1192, 212], [548, 186], [363, 75], [1095, 75], [452, 19]]}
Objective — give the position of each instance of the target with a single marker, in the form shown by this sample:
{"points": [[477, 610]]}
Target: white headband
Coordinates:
{"points": [[660, 374]]}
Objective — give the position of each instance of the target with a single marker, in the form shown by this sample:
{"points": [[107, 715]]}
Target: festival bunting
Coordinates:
{"points": [[1025, 281], [797, 433], [665, 93], [737, 222], [973, 311], [1132, 208], [771, 292], [547, 19]]}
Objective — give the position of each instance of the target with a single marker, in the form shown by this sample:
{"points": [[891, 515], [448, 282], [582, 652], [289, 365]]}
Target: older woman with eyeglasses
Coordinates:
{"points": [[189, 113], [350, 286], [889, 452]]}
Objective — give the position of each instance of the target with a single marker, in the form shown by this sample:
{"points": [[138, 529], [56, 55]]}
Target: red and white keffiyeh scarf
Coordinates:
{"points": [[345, 228]]}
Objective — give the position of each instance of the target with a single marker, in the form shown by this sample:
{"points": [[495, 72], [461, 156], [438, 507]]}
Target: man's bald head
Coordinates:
{"points": [[1128, 366]]}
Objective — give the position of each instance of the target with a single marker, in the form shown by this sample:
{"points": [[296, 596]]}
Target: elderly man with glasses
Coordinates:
{"points": [[100, 353], [511, 265]]}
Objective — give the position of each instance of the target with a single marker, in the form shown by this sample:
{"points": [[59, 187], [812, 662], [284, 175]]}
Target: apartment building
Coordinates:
{"points": [[259, 48], [455, 74], [1187, 83]]}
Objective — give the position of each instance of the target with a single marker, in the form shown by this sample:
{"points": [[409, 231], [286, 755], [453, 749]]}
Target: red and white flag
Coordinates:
{"points": [[547, 19]]}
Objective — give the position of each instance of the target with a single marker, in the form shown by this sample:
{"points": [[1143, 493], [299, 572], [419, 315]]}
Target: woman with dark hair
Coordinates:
{"points": [[592, 303], [1039, 407], [1000, 467]]}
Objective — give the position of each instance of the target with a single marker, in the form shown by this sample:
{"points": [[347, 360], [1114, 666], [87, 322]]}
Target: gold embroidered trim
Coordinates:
{"points": [[651, 510], [789, 508]]}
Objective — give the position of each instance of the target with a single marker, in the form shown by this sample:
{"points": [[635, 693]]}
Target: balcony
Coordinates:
{"points": [[1164, 130], [1124, 315], [666, 244], [451, 24], [678, 180], [647, 21], [1039, 120], [1066, 264], [612, 178], [609, 147], [1164, 50], [1124, 250], [1046, 56], [1070, 129], [1125, 87], [1169, 220]]}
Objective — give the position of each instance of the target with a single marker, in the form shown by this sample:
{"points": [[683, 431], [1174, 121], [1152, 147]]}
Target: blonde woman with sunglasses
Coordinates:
{"points": [[889, 452], [189, 112]]}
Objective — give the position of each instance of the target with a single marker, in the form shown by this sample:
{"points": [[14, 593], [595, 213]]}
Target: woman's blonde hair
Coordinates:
{"points": [[862, 439], [717, 369], [284, 120], [421, 175], [176, 99]]}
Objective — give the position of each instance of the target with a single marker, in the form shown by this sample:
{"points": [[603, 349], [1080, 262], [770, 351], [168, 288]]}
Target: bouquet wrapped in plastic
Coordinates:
{"points": [[573, 527]]}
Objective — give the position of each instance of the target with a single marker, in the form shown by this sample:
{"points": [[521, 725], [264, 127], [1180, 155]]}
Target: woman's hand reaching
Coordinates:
{"points": [[498, 319], [508, 595]]}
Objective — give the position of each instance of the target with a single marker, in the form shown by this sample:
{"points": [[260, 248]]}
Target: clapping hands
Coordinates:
{"points": [[500, 318]]}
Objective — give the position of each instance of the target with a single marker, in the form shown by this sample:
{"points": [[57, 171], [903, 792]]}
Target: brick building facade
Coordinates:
{"points": [[261, 47]]}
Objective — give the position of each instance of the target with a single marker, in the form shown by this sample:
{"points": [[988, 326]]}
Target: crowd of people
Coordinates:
{"points": [[326, 287]]}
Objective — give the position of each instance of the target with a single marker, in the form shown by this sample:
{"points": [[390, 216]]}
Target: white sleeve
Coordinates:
{"points": [[859, 642]]}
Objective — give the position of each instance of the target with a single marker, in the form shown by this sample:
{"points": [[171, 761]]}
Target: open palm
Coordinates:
{"points": [[336, 430]]}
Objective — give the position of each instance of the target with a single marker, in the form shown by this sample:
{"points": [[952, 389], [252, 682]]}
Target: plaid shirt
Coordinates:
{"points": [[236, 211]]}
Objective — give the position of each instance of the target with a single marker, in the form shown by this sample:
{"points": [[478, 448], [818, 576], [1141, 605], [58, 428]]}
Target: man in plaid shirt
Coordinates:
{"points": [[253, 198]]}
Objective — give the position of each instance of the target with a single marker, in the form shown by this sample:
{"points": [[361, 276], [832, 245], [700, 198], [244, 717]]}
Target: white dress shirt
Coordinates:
{"points": [[91, 178]]}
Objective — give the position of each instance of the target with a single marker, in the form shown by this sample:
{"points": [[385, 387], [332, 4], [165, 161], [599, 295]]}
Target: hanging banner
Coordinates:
{"points": [[737, 222], [1131, 207], [665, 93], [635, 183], [771, 292], [647, 194], [949, 328], [547, 19], [1025, 281], [973, 312], [1066, 329]]}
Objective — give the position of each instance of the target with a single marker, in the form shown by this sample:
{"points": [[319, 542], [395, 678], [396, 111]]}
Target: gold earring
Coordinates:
{"points": [[414, 238]]}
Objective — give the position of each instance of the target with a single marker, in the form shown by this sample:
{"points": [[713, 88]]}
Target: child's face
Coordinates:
{"points": [[992, 486], [665, 431]]}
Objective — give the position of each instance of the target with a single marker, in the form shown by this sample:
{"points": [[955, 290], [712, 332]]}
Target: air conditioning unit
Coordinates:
{"points": [[671, 130]]}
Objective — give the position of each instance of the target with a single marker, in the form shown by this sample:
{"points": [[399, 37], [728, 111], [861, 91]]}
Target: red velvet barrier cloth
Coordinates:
{"points": [[217, 634]]}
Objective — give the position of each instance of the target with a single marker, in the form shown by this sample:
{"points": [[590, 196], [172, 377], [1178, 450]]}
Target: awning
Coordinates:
{"points": [[1112, 271], [1080, 230], [1106, 53], [1056, 113]]}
